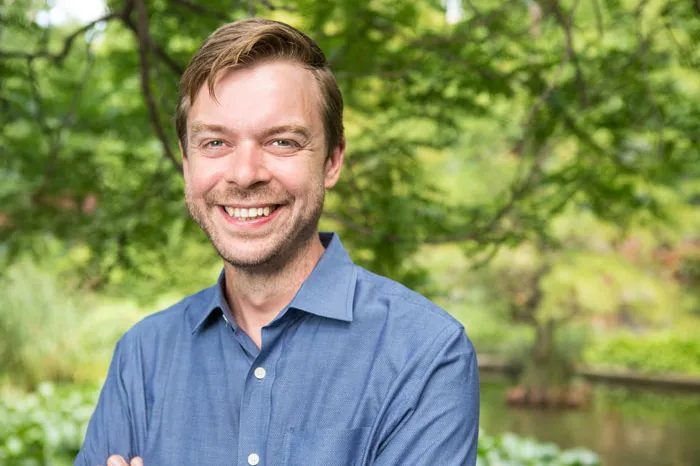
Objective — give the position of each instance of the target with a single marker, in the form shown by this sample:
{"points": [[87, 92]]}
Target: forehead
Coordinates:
{"points": [[261, 95]]}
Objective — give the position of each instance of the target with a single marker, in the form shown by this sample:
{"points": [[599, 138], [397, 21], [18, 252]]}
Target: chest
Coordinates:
{"points": [[307, 399]]}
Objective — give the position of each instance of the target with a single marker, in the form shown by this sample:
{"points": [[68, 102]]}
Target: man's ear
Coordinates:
{"points": [[334, 163]]}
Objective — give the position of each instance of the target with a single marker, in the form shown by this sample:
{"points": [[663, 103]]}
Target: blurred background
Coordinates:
{"points": [[530, 165]]}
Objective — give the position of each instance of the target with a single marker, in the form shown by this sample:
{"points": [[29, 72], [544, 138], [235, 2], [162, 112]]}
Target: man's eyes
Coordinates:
{"points": [[278, 143], [284, 143], [214, 144]]}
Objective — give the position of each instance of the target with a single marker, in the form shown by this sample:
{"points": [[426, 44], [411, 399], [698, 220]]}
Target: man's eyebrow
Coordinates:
{"points": [[200, 127], [296, 129]]}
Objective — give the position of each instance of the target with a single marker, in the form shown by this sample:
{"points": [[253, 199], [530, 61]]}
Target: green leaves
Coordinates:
{"points": [[657, 353], [46, 426], [567, 104], [511, 450]]}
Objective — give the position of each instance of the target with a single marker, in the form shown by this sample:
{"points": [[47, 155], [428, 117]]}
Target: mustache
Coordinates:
{"points": [[233, 194]]}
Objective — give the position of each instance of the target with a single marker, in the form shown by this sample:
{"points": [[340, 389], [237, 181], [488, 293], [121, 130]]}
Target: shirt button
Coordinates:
{"points": [[253, 459], [259, 373]]}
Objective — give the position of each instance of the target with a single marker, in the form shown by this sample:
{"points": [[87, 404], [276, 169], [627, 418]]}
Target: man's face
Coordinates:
{"points": [[256, 168]]}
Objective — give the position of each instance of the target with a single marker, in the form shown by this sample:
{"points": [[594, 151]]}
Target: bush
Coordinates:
{"points": [[657, 353], [511, 342], [37, 326], [50, 332], [48, 426], [511, 450]]}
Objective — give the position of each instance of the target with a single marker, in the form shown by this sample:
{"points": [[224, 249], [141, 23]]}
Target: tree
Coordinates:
{"points": [[592, 102]]}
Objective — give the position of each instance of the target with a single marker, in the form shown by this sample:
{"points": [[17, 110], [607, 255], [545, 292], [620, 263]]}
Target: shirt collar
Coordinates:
{"points": [[330, 289], [212, 302], [327, 292]]}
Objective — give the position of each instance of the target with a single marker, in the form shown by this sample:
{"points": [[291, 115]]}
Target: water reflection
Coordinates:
{"points": [[625, 427]]}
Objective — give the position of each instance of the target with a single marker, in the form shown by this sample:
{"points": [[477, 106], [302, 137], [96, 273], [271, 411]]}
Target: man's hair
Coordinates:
{"points": [[250, 42]]}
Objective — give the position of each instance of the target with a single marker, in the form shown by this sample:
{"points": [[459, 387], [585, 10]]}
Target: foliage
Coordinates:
{"points": [[592, 105], [37, 326], [48, 331], [511, 450], [527, 132], [656, 353], [594, 274], [46, 426], [494, 338]]}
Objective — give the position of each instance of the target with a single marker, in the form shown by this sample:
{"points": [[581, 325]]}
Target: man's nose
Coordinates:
{"points": [[247, 165]]}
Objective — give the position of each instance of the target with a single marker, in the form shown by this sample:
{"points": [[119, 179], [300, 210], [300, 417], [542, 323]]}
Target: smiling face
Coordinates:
{"points": [[255, 165]]}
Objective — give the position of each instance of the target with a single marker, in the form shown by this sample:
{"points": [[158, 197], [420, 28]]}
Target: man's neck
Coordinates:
{"points": [[256, 296]]}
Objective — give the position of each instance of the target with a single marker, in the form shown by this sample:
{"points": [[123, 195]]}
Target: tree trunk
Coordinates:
{"points": [[545, 378]]}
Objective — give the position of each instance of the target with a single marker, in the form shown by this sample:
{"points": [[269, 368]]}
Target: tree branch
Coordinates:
{"points": [[144, 45], [56, 136], [495, 247], [268, 4], [202, 10], [36, 94], [541, 100], [565, 22], [349, 224], [174, 66], [518, 191], [598, 18], [656, 107], [67, 45]]}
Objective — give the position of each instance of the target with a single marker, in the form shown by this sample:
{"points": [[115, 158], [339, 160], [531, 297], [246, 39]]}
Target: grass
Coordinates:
{"points": [[48, 332]]}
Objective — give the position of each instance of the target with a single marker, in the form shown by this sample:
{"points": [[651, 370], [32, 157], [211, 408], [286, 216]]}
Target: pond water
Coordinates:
{"points": [[626, 427]]}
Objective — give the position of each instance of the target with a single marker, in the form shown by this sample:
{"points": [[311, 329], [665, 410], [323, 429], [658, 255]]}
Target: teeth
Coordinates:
{"points": [[251, 213]]}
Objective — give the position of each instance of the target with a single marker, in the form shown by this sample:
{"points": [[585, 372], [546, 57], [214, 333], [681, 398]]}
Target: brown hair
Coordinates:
{"points": [[249, 42]]}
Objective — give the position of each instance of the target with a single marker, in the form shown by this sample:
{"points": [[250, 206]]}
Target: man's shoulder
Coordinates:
{"points": [[174, 318], [379, 294]]}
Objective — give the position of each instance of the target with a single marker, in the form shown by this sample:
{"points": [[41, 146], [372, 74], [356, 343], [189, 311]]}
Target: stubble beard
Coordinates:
{"points": [[292, 242]]}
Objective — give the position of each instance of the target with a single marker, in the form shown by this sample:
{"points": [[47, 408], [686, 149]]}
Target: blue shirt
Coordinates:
{"points": [[356, 370]]}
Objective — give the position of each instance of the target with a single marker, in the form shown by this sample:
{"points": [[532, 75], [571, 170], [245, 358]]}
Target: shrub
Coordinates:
{"points": [[45, 426], [37, 326], [49, 331], [657, 353], [511, 450]]}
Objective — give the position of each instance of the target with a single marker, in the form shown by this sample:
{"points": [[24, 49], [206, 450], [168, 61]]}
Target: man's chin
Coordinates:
{"points": [[259, 258], [249, 263]]}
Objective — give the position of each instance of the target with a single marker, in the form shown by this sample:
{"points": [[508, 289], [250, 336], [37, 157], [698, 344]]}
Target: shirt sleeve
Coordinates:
{"points": [[434, 416], [111, 428]]}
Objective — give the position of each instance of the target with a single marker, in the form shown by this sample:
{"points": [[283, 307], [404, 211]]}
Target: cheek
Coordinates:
{"points": [[298, 175], [202, 176]]}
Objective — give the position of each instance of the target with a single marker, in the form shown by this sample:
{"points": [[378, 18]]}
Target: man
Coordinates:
{"points": [[296, 355]]}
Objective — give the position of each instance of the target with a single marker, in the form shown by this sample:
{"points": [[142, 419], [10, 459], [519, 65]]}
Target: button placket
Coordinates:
{"points": [[255, 410], [256, 402]]}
